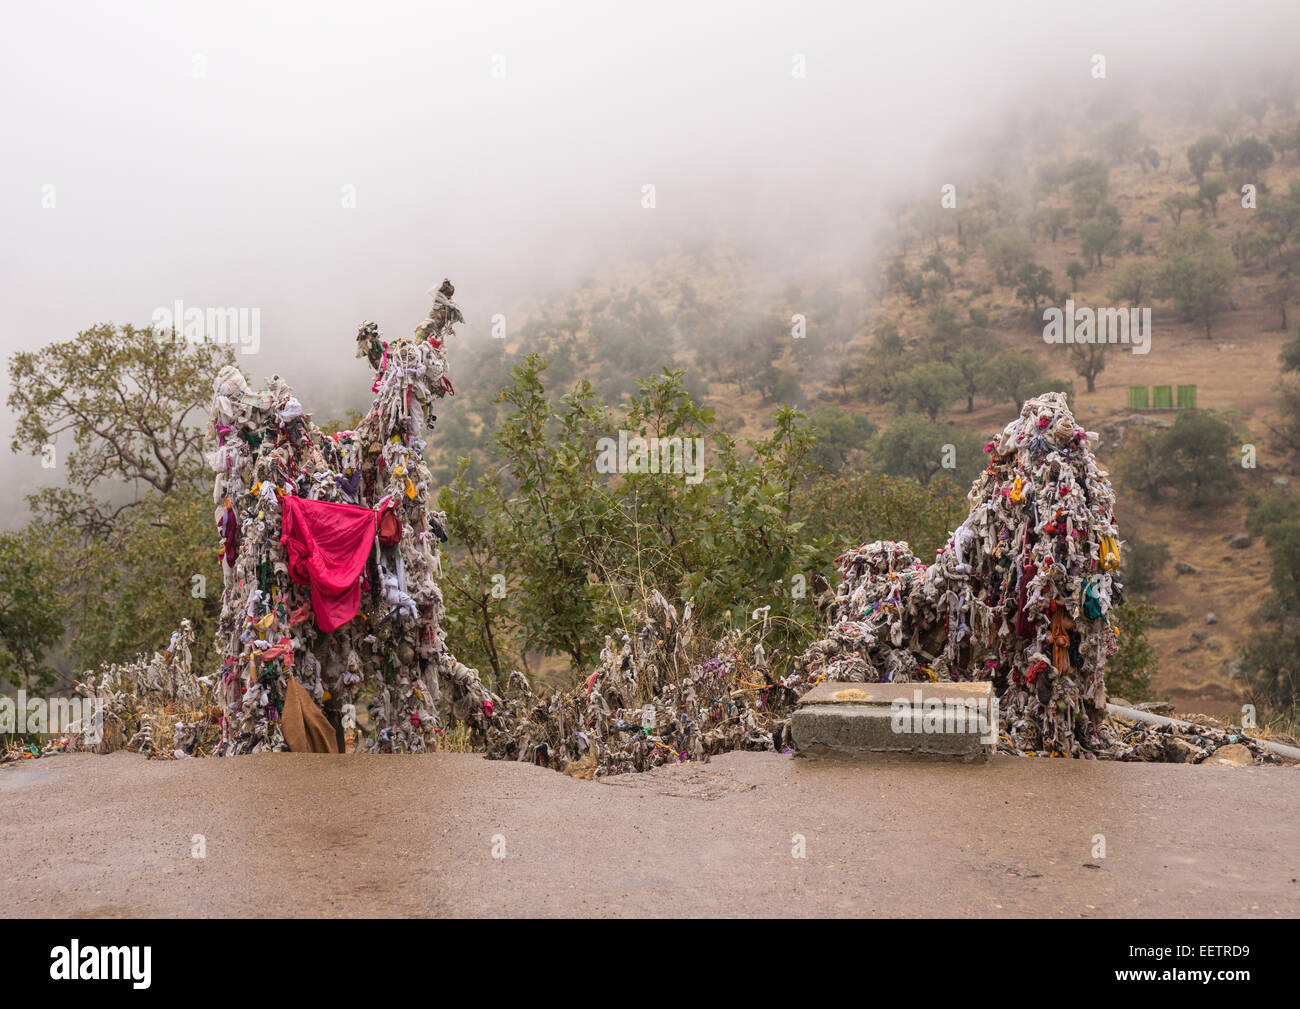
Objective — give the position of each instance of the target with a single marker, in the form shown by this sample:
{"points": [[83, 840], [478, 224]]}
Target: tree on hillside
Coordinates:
{"points": [[1192, 458], [1197, 276], [1088, 361], [1285, 139], [1201, 153], [1228, 122], [840, 435], [1132, 282], [1101, 235], [1034, 285], [1178, 204], [914, 447], [1208, 195], [1089, 186], [1075, 271], [971, 357], [1279, 295], [1055, 221], [929, 388], [1279, 213], [1006, 249], [1014, 376], [1121, 141], [944, 335], [1248, 157]]}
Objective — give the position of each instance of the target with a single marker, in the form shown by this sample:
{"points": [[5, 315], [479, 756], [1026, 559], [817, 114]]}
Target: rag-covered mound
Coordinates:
{"points": [[1022, 594], [331, 553]]}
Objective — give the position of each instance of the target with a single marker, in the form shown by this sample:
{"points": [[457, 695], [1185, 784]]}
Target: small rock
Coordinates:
{"points": [[1200, 635], [1234, 754], [1120, 701], [1214, 644], [1179, 751], [1281, 482], [1211, 618], [1157, 707], [1191, 646], [1183, 568], [1239, 541]]}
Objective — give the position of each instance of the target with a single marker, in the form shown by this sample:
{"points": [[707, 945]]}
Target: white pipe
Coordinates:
{"points": [[1281, 749]]}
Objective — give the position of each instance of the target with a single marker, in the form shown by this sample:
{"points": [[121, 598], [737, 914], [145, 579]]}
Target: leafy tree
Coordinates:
{"points": [[840, 434], [1249, 156], [1129, 672], [1209, 193], [886, 361], [1006, 249], [132, 587], [131, 400], [914, 447], [1191, 459], [1280, 214], [1279, 295], [1034, 285], [30, 607], [929, 388], [1178, 204], [553, 516], [1133, 280], [1143, 562], [971, 363], [130, 531], [1102, 235], [1055, 220], [1197, 276], [1271, 662], [945, 334], [1283, 140], [1015, 376], [1088, 361], [1201, 153], [479, 581], [1089, 187], [859, 505], [1075, 271]]}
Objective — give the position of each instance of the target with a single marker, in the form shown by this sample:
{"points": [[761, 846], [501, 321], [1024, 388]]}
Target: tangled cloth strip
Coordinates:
{"points": [[283, 491], [661, 696]]}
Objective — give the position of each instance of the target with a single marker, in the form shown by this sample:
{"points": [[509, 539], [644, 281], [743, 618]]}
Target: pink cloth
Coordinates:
{"points": [[328, 545]]}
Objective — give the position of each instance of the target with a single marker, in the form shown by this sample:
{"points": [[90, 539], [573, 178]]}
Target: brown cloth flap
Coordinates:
{"points": [[305, 727]]}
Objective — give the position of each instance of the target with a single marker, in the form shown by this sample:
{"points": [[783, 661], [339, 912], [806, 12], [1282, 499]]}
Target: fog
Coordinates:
{"points": [[201, 152]]}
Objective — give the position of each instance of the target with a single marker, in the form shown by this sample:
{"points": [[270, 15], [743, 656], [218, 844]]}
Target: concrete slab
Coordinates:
{"points": [[955, 721]]}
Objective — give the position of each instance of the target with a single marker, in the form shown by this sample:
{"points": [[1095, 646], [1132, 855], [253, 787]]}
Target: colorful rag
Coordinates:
{"points": [[328, 545]]}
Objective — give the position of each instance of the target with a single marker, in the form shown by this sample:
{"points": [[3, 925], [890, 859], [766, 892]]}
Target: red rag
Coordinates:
{"points": [[328, 545]]}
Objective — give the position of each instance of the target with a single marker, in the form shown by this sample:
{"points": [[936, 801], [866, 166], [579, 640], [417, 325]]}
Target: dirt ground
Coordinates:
{"points": [[301, 834]]}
